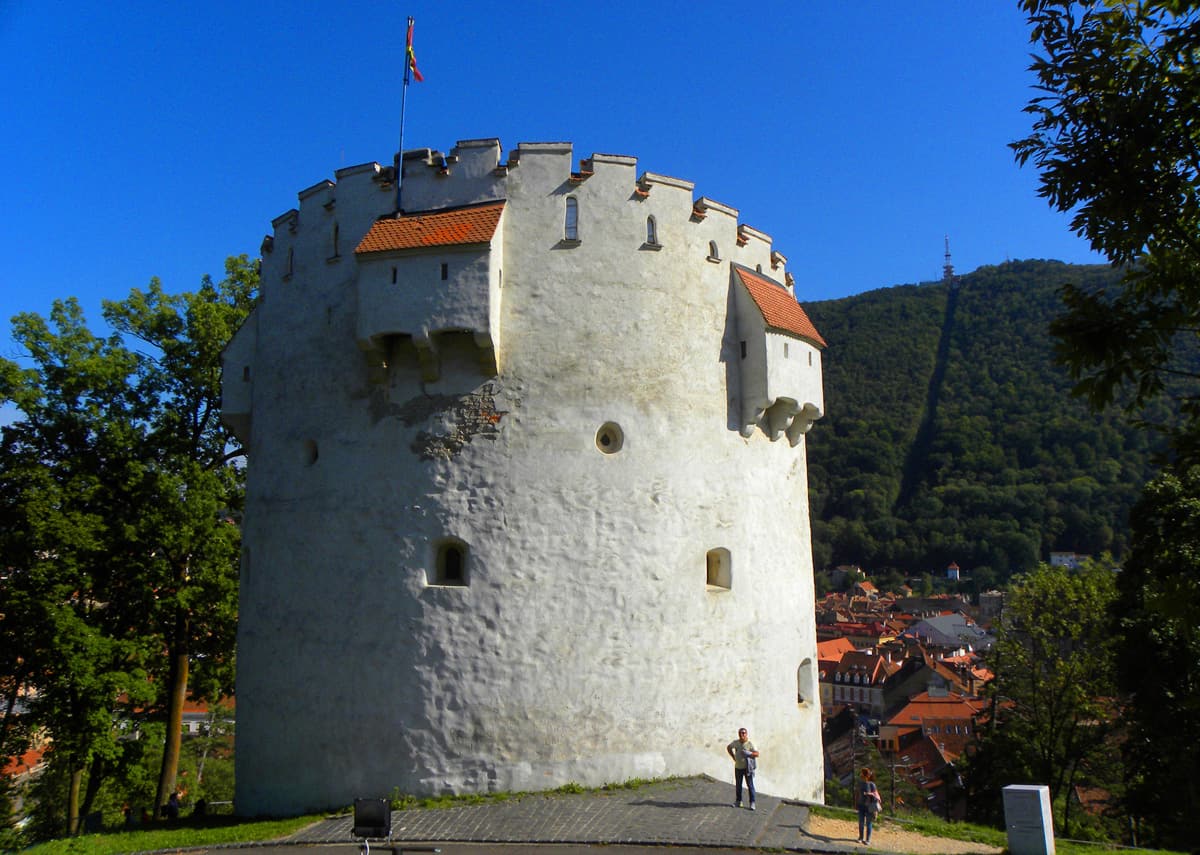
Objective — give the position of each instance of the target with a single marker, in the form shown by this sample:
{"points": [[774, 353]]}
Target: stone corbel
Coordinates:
{"points": [[779, 417], [488, 363], [802, 422], [427, 356]]}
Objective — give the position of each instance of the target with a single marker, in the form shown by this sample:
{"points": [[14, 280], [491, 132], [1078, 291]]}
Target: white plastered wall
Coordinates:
{"points": [[586, 646]]}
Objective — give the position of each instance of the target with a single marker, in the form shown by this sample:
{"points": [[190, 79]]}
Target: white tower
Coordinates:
{"points": [[527, 498]]}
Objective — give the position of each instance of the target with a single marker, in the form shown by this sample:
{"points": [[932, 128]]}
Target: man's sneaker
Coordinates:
{"points": [[737, 804], [752, 806]]}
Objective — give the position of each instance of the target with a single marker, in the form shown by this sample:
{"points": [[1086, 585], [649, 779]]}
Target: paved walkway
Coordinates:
{"points": [[683, 812]]}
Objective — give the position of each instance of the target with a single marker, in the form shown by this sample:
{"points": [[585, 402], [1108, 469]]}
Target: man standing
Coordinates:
{"points": [[745, 760]]}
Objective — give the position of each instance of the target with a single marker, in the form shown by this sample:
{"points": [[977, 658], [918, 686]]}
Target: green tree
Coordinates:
{"points": [[185, 543], [1116, 145], [122, 477], [1159, 612], [1051, 697], [62, 470]]}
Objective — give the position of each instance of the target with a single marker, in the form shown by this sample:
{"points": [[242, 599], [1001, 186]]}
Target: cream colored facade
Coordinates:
{"points": [[527, 501]]}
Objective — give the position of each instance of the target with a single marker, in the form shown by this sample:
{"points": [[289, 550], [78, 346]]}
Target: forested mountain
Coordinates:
{"points": [[952, 435]]}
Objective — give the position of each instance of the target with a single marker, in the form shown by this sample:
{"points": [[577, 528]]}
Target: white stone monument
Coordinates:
{"points": [[1028, 818]]}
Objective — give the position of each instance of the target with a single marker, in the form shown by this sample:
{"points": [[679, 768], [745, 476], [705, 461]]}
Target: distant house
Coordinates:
{"points": [[1071, 560], [843, 572], [950, 635], [863, 634], [947, 718], [197, 716], [991, 603], [866, 589], [829, 656], [859, 681], [965, 674], [952, 572]]}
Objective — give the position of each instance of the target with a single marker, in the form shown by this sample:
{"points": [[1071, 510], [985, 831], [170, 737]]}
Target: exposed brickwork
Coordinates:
{"points": [[469, 416]]}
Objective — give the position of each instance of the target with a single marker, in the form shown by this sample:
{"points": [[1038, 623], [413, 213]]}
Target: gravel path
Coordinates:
{"points": [[892, 837]]}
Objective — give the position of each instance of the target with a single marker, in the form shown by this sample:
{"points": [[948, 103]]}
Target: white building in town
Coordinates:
{"points": [[527, 499]]}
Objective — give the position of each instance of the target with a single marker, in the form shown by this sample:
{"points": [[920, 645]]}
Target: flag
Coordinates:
{"points": [[411, 58]]}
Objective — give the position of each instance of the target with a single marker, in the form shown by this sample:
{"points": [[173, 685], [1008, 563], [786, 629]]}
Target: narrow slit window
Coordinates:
{"points": [[395, 275], [336, 240], [713, 253], [445, 271], [571, 223], [651, 231]]}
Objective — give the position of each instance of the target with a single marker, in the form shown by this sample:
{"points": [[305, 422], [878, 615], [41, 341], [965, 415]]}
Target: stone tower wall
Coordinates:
{"points": [[586, 644]]}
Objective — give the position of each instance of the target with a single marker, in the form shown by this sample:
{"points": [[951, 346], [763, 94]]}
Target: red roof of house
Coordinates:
{"points": [[476, 224], [779, 308], [25, 763], [834, 648], [948, 707]]}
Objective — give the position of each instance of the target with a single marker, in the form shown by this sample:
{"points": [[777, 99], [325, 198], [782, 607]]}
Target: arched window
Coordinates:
{"points": [[571, 223], [804, 682], [713, 254], [450, 563], [651, 231]]}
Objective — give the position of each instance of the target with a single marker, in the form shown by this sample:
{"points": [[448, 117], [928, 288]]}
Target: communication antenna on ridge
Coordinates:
{"points": [[947, 267]]}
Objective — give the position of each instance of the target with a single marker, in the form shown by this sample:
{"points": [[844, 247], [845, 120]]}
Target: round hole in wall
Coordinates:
{"points": [[610, 438]]}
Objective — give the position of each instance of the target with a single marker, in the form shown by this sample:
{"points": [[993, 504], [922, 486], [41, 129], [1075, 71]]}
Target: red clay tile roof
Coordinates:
{"points": [[25, 763], [779, 308], [460, 226]]}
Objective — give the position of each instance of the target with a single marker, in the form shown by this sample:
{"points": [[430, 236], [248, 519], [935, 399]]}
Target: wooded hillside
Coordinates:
{"points": [[952, 435]]}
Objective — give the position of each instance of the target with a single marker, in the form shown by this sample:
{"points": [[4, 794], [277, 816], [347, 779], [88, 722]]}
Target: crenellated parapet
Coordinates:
{"points": [[433, 269]]}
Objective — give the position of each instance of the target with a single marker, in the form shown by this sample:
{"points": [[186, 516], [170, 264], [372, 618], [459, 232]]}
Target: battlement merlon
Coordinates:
{"points": [[474, 172]]}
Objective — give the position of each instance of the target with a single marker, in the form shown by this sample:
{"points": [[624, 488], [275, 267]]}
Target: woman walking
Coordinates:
{"points": [[869, 804]]}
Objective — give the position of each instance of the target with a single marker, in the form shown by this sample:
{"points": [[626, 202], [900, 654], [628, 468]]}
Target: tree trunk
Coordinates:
{"points": [[95, 779], [176, 695], [73, 800]]}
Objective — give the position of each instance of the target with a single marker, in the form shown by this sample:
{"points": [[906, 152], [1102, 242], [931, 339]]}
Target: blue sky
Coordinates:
{"points": [[156, 139]]}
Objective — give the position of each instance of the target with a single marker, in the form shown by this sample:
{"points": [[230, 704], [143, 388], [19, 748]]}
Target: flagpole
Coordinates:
{"points": [[403, 104]]}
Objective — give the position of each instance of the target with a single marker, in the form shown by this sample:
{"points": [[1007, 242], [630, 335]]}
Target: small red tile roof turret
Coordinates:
{"points": [[779, 308], [476, 224]]}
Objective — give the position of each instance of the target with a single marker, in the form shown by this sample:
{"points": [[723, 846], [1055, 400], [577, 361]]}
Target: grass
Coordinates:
{"points": [[934, 827], [188, 832]]}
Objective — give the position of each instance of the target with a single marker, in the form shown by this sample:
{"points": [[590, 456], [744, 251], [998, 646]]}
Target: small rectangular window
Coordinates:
{"points": [[245, 373], [743, 349], [394, 275], [785, 350], [445, 271]]}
